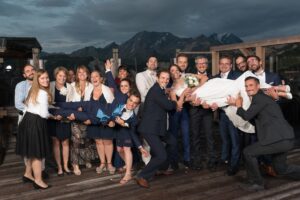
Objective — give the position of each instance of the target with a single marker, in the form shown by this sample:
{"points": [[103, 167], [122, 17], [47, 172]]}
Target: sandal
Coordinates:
{"points": [[125, 179], [111, 169], [101, 168]]}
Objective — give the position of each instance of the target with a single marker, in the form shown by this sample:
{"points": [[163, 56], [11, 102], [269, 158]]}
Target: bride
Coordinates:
{"points": [[217, 91]]}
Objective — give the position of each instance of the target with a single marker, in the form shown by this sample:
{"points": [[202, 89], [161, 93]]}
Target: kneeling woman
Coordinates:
{"points": [[32, 138]]}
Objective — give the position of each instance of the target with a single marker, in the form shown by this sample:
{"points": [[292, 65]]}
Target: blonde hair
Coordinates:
{"points": [[77, 85], [60, 69], [34, 90]]}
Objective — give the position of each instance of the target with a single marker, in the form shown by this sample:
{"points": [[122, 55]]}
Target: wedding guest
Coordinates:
{"points": [[275, 136], [146, 79], [241, 63], [201, 122], [32, 138], [60, 130], [81, 151], [21, 92], [71, 76], [229, 133], [125, 127]]}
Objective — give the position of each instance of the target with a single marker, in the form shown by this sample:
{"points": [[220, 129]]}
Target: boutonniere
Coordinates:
{"points": [[63, 91]]}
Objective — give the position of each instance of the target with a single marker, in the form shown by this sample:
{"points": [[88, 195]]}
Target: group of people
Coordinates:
{"points": [[98, 116]]}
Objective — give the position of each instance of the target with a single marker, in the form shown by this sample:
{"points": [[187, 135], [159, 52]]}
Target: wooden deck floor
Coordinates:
{"points": [[185, 184]]}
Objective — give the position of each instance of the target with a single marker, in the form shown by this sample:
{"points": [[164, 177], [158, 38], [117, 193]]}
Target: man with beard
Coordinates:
{"points": [[255, 65], [241, 64]]}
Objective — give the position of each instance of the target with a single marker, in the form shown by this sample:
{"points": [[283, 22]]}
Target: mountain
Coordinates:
{"points": [[163, 45]]}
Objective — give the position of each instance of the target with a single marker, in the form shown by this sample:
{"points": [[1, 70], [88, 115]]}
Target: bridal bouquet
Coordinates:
{"points": [[191, 80]]}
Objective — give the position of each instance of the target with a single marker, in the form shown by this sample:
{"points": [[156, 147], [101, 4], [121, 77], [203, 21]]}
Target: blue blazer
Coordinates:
{"points": [[154, 116], [122, 98], [273, 79]]}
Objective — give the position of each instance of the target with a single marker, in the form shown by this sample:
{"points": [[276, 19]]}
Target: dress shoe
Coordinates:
{"points": [[60, 174], [231, 171], [27, 180], [212, 165], [36, 186], [251, 187], [268, 170], [197, 166], [45, 175], [68, 172], [187, 164], [142, 182]]}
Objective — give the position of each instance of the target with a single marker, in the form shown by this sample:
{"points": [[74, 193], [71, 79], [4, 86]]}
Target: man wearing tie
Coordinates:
{"points": [[228, 132], [201, 123], [153, 127]]}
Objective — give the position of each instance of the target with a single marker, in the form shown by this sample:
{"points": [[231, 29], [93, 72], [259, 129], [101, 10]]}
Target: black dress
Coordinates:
{"points": [[59, 129], [96, 130]]}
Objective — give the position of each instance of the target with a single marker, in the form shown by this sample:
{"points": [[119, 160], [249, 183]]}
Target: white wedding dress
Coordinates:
{"points": [[217, 91]]}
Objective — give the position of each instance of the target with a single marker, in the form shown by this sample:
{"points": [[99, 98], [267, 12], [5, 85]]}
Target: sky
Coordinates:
{"points": [[68, 25]]}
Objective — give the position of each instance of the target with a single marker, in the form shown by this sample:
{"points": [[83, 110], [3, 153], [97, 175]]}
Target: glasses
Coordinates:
{"points": [[238, 64]]}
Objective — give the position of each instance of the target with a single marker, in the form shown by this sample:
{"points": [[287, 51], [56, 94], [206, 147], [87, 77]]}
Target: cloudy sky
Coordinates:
{"points": [[67, 25]]}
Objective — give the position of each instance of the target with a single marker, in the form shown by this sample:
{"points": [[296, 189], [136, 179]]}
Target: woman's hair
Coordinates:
{"points": [[84, 68], [34, 90], [59, 69], [174, 65], [98, 72], [127, 80]]}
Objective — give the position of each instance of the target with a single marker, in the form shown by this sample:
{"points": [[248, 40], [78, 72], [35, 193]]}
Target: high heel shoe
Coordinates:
{"points": [[111, 169], [36, 186], [101, 168], [68, 172], [27, 180]]}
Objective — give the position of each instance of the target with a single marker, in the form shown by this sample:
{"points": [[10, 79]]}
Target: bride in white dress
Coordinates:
{"points": [[218, 90]]}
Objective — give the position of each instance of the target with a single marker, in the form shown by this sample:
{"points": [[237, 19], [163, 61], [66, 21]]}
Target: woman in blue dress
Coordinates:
{"points": [[60, 130]]}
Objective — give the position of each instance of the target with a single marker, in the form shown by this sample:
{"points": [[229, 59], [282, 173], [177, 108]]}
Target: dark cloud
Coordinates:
{"points": [[53, 3], [83, 23], [8, 9]]}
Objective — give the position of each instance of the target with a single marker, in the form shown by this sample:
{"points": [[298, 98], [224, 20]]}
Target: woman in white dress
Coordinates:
{"points": [[217, 91]]}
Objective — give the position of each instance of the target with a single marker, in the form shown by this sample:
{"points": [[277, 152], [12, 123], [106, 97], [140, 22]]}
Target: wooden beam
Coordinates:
{"points": [[261, 52], [35, 57], [115, 60], [215, 56], [194, 52], [263, 43]]}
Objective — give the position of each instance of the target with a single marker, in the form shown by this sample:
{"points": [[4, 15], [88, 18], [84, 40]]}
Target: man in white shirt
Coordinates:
{"points": [[146, 79]]}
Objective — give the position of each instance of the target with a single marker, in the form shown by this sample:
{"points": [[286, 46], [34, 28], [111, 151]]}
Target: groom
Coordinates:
{"points": [[153, 127]]}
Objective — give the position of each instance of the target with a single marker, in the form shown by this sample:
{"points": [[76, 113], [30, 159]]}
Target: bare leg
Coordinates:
{"points": [[128, 163], [101, 154], [108, 146], [28, 169], [56, 151], [37, 171], [65, 150]]}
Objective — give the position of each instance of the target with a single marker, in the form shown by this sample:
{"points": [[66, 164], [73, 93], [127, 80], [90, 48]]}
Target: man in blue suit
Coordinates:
{"points": [[228, 132], [153, 127]]}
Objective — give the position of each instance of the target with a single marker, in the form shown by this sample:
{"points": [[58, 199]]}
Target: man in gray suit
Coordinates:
{"points": [[275, 136]]}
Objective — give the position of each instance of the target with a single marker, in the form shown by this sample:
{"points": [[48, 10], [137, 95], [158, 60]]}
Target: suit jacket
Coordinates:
{"points": [[272, 79], [271, 126], [156, 106]]}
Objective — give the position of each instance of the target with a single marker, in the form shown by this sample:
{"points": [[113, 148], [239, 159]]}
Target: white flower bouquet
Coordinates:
{"points": [[191, 80], [63, 91]]}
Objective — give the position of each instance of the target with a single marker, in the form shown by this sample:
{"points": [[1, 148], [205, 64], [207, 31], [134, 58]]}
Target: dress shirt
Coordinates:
{"points": [[261, 76], [224, 75], [21, 93]]}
